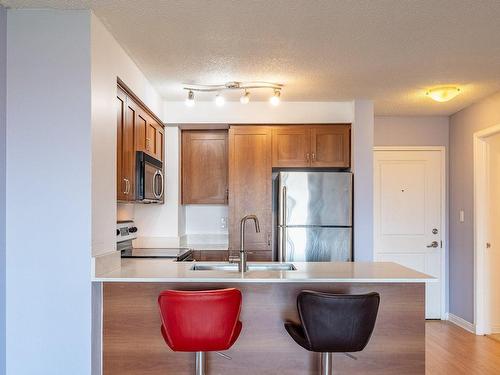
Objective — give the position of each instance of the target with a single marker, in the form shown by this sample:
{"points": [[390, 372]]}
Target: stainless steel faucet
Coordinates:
{"points": [[242, 266]]}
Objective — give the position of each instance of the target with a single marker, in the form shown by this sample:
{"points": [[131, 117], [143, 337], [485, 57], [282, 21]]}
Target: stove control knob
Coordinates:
{"points": [[118, 232], [132, 229]]}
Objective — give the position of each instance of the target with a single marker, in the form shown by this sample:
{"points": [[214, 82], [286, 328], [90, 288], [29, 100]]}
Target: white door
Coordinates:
{"points": [[408, 199]]}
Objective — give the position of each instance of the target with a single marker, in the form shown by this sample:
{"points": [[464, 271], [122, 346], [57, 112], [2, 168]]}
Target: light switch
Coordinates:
{"points": [[461, 216]]}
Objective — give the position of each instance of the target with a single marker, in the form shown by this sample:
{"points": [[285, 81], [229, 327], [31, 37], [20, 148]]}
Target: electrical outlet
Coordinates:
{"points": [[223, 222]]}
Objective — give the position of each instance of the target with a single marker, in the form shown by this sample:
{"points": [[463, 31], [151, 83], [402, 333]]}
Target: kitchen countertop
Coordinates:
{"points": [[165, 270]]}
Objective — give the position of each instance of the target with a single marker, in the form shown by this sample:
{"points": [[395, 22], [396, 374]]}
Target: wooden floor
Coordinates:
{"points": [[452, 350], [495, 336]]}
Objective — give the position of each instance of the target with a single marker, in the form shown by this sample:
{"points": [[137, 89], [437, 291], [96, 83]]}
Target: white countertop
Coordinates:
{"points": [[165, 270]]}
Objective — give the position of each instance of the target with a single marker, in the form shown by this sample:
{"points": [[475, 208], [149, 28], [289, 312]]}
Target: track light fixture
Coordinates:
{"points": [[244, 86], [219, 100], [190, 99], [245, 98], [275, 99]]}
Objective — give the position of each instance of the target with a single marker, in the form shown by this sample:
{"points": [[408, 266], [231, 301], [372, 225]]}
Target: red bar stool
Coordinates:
{"points": [[200, 321]]}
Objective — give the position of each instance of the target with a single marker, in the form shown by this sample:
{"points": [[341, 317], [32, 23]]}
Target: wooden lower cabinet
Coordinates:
{"points": [[250, 185], [204, 167]]}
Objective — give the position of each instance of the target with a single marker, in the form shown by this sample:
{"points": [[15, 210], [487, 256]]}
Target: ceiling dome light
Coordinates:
{"points": [[219, 100], [443, 94], [275, 99], [245, 98], [190, 99]]}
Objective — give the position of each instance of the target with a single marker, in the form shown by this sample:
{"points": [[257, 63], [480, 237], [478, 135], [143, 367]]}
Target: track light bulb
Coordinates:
{"points": [[219, 100], [275, 99], [245, 98], [190, 99]]}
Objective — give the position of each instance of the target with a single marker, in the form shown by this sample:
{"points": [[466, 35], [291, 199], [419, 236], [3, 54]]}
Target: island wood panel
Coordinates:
{"points": [[204, 167], [132, 343], [250, 185]]}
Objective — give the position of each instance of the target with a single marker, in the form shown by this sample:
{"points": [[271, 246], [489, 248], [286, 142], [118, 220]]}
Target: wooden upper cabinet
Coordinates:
{"points": [[290, 146], [204, 167], [321, 146], [331, 146], [121, 103], [126, 119], [250, 185], [149, 135], [133, 120]]}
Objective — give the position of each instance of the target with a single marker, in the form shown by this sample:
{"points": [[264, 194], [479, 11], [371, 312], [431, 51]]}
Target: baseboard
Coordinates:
{"points": [[462, 323], [495, 329]]}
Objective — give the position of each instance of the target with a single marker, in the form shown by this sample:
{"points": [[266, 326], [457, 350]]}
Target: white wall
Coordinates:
{"points": [[109, 61], [258, 113], [3, 98], [205, 219], [48, 192], [159, 224]]}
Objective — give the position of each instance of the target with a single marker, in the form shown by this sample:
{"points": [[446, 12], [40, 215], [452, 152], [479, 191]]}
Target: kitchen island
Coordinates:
{"points": [[132, 343]]}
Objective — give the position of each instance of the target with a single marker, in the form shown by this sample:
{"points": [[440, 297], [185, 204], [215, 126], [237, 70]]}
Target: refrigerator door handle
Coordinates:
{"points": [[281, 244], [282, 240]]}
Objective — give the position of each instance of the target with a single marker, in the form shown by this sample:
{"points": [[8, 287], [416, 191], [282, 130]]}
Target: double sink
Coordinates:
{"points": [[250, 267]]}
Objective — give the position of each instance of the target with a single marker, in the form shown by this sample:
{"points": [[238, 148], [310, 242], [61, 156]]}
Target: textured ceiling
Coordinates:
{"points": [[390, 51]]}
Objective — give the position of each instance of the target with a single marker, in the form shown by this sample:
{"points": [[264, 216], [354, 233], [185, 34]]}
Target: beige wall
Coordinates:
{"points": [[411, 131], [463, 125]]}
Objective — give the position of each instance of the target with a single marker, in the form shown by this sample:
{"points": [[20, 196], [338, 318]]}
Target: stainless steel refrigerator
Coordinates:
{"points": [[314, 216]]}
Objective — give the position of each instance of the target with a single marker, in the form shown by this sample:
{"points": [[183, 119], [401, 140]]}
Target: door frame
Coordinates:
{"points": [[444, 215], [481, 222]]}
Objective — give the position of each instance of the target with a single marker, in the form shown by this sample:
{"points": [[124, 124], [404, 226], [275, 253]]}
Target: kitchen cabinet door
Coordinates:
{"points": [[149, 135], [290, 146], [126, 119], [121, 104], [204, 167], [331, 146], [250, 185]]}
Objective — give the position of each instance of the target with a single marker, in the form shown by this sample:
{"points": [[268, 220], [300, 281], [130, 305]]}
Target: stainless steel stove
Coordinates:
{"points": [[126, 232]]}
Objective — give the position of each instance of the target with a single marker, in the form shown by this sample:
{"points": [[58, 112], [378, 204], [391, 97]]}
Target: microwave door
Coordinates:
{"points": [[150, 184]]}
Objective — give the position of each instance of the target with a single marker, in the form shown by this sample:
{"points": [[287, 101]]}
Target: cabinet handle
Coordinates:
{"points": [[148, 142], [307, 156], [227, 194], [268, 239], [314, 156]]}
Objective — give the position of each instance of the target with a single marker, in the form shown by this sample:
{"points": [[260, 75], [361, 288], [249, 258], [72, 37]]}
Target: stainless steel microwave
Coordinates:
{"points": [[149, 178]]}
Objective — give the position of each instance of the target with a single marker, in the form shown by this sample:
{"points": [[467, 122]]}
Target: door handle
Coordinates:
{"points": [[433, 244]]}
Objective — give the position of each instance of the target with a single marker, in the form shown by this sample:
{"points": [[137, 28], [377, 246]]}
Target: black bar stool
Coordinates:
{"points": [[334, 323]]}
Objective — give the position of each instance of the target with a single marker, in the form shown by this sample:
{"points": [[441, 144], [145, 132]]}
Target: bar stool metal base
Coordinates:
{"points": [[326, 364], [200, 363]]}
